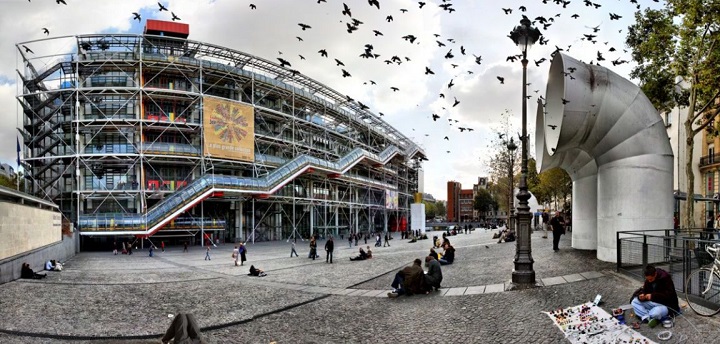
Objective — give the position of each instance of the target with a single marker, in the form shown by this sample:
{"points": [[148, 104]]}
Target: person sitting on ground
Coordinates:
{"points": [[657, 297], [361, 256], [410, 280], [49, 266], [27, 272], [507, 236], [434, 277], [53, 265], [369, 252], [184, 329], [256, 272], [434, 254], [448, 255]]}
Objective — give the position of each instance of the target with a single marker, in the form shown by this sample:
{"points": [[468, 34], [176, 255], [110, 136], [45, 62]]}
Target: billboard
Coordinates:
{"points": [[229, 129], [391, 199]]}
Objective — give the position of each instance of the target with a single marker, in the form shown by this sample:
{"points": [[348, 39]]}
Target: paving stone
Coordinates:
{"points": [[455, 291], [592, 274], [495, 288], [475, 290], [441, 292], [573, 278], [553, 281], [374, 293], [357, 292]]}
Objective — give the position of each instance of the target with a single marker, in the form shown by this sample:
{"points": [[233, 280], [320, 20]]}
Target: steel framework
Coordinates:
{"points": [[113, 134]]}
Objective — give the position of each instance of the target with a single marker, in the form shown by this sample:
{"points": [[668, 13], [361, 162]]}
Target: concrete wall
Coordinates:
{"points": [[60, 250], [30, 235], [25, 228]]}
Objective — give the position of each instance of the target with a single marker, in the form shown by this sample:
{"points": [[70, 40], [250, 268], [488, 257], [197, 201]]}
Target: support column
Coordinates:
{"points": [[312, 219], [252, 221]]}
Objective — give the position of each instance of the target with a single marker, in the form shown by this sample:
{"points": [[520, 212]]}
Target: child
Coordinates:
{"points": [[207, 253]]}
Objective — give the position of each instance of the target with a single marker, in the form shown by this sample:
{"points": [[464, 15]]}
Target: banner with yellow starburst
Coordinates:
{"points": [[229, 129]]}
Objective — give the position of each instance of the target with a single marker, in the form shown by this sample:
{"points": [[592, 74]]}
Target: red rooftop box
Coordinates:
{"points": [[166, 28]]}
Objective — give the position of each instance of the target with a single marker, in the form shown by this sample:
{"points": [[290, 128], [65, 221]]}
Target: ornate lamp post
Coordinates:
{"points": [[511, 146], [523, 275]]}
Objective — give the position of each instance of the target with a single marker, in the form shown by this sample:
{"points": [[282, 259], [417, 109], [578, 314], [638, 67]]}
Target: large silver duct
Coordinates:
{"points": [[602, 130]]}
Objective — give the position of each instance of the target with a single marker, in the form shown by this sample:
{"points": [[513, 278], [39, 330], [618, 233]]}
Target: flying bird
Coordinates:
{"points": [[377, 33], [60, 2], [553, 127], [450, 84], [346, 10], [283, 62], [403, 10], [301, 57], [252, 6], [395, 89], [502, 80], [564, 101], [409, 38], [339, 63], [435, 117], [614, 16], [345, 74], [174, 17], [323, 53], [421, 4], [304, 26], [27, 50], [478, 59], [375, 3], [507, 10], [389, 18], [162, 8], [449, 54], [462, 50], [456, 102], [136, 16], [46, 31], [428, 71], [446, 138]]}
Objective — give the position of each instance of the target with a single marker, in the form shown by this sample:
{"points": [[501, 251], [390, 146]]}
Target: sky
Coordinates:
{"points": [[270, 31]]}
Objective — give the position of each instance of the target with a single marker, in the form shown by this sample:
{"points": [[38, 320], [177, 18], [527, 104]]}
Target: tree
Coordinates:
{"points": [[556, 183], [484, 201], [440, 209], [430, 210], [502, 164], [536, 187], [680, 39]]}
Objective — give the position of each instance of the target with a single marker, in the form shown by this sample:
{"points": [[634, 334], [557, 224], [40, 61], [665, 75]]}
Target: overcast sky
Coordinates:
{"points": [[481, 27]]}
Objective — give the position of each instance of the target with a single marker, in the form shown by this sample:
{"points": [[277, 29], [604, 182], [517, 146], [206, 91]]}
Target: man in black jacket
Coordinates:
{"points": [[558, 228], [329, 247], [656, 298]]}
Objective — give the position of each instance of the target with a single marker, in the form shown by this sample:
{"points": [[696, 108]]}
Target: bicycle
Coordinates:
{"points": [[705, 302]]}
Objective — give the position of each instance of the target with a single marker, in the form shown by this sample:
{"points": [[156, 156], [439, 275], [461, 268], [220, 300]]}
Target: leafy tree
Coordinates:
{"points": [[430, 210], [484, 201], [536, 187], [11, 181], [680, 39], [440, 209], [557, 183], [502, 163]]}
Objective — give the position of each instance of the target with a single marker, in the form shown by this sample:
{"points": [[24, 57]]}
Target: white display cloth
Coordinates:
{"points": [[588, 323]]}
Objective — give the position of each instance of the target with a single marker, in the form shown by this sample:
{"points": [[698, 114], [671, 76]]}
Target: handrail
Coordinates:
{"points": [[203, 187]]}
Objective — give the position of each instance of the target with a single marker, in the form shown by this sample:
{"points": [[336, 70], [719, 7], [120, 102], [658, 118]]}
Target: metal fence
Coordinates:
{"points": [[678, 252]]}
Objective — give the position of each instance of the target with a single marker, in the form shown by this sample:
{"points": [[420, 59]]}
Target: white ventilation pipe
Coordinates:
{"points": [[607, 134]]}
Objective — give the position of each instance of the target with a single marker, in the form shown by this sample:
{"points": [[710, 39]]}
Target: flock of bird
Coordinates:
{"points": [[353, 24]]}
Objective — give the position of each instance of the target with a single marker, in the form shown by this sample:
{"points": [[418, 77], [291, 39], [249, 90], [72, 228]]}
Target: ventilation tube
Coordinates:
{"points": [[602, 130]]}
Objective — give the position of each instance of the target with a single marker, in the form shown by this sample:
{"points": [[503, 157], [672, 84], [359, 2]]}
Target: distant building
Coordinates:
{"points": [[466, 205], [429, 198], [453, 201], [7, 171], [481, 184]]}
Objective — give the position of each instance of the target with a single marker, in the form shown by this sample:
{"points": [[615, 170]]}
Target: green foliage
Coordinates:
{"points": [[430, 210], [440, 209], [484, 201], [681, 39], [537, 188], [11, 182]]}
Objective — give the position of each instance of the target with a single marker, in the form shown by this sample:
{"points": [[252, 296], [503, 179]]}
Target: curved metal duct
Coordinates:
{"points": [[602, 130]]}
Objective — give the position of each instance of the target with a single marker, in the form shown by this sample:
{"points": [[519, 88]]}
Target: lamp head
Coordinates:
{"points": [[525, 35], [511, 145]]}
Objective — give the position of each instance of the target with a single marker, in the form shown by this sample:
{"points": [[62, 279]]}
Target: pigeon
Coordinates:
{"points": [[346, 10], [553, 127], [502, 80], [456, 102], [46, 31], [614, 16], [446, 138], [252, 6], [162, 8], [323, 53], [136, 16], [345, 74], [564, 101], [395, 89], [428, 71], [450, 84], [60, 2], [435, 117], [27, 50], [421, 4], [377, 33], [339, 63], [389, 18], [375, 3], [283, 62], [304, 26], [507, 10], [174, 17]]}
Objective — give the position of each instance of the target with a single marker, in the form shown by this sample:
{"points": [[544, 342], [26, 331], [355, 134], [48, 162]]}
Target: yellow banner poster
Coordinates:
{"points": [[229, 129]]}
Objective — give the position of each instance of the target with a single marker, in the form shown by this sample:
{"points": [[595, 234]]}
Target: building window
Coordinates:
{"points": [[710, 183], [668, 118], [711, 153]]}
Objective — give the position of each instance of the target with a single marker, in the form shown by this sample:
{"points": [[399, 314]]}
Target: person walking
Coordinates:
{"points": [[329, 247], [558, 228], [545, 223], [207, 253], [350, 240], [243, 250], [115, 248], [235, 254], [151, 250], [313, 248], [162, 246], [387, 240], [185, 246], [292, 250]]}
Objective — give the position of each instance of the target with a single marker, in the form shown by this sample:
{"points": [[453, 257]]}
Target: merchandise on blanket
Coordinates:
{"points": [[588, 323]]}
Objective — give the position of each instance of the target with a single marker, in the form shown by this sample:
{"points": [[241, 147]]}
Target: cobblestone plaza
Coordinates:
{"points": [[101, 298]]}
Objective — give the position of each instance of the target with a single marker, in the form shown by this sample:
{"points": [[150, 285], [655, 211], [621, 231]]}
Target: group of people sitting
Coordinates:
{"points": [[413, 279], [363, 254], [448, 255], [506, 235]]}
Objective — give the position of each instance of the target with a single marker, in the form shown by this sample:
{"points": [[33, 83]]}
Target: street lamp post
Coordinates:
{"points": [[511, 146], [523, 275]]}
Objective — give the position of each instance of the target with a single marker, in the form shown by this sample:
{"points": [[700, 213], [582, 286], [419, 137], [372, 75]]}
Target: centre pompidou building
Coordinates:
{"points": [[155, 135]]}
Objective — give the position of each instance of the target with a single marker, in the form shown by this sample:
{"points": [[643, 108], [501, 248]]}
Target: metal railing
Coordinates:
{"points": [[709, 160], [679, 252]]}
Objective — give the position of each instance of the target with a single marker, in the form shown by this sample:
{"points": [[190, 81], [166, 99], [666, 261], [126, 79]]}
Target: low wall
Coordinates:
{"points": [[61, 250]]}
